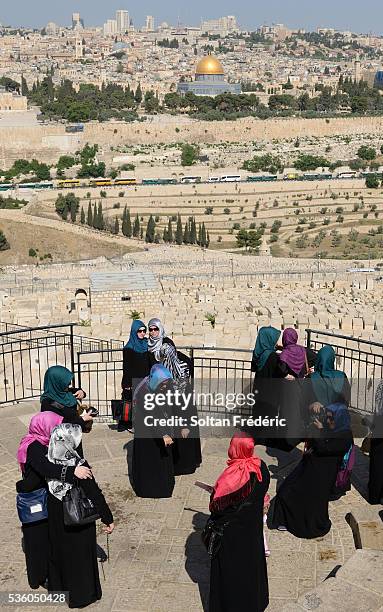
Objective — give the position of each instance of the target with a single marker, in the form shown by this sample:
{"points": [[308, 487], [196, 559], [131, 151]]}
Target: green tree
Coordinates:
{"points": [[193, 232], [186, 236], [4, 244], [189, 154], [82, 216], [150, 230], [203, 236], [242, 238], [138, 94], [136, 227], [372, 181], [100, 220], [95, 217], [169, 235], [367, 153], [116, 226], [126, 223], [179, 232], [310, 162], [89, 217]]}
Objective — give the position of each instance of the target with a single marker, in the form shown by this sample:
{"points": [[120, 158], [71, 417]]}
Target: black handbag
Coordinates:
{"points": [[117, 408], [78, 509], [212, 536]]}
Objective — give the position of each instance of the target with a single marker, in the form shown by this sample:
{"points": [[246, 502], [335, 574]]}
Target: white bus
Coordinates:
{"points": [[346, 175], [191, 179], [214, 179], [231, 178]]}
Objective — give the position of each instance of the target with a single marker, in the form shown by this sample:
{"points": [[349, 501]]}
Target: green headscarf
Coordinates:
{"points": [[327, 382], [56, 382], [265, 345]]}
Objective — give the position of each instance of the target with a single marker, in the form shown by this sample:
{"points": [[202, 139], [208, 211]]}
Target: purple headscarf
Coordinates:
{"points": [[293, 354]]}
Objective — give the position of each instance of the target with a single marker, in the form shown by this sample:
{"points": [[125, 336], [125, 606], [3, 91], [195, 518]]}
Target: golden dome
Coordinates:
{"points": [[209, 65]]}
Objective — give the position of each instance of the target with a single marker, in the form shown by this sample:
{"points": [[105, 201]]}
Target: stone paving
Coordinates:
{"points": [[157, 561]]}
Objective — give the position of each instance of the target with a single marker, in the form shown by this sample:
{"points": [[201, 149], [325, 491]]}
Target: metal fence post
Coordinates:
{"points": [[308, 339]]}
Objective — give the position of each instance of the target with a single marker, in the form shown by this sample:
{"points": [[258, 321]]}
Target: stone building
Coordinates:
{"points": [[10, 101], [118, 293], [209, 80]]}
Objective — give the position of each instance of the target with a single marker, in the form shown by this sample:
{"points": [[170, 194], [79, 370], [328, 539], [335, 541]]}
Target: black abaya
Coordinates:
{"points": [[301, 504], [238, 575], [152, 461], [73, 557], [186, 452], [36, 541], [375, 482]]}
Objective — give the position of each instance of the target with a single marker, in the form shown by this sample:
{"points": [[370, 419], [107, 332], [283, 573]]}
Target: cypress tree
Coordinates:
{"points": [[82, 216], [73, 211], [150, 230], [203, 235], [128, 224], [138, 94], [193, 232], [186, 236], [89, 218], [165, 235], [199, 240], [207, 240], [95, 216], [170, 231], [101, 224], [141, 233], [179, 233], [136, 227], [116, 226]]}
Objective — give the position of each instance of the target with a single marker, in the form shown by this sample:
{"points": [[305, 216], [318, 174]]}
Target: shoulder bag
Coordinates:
{"points": [[32, 506], [78, 509]]}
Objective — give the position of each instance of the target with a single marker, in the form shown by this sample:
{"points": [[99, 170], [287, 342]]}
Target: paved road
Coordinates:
{"points": [[157, 560]]}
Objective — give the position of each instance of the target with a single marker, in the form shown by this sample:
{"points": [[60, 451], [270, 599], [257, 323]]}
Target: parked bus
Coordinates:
{"points": [[316, 176], [191, 179], [42, 185], [292, 176], [125, 181], [214, 179], [68, 183], [101, 182], [262, 178], [234, 178], [6, 186], [159, 181], [346, 175]]}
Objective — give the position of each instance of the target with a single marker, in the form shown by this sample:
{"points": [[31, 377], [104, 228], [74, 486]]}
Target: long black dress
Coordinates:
{"points": [[152, 461], [136, 366], [36, 540], [301, 504], [73, 550], [375, 482], [186, 452], [266, 388], [238, 575]]}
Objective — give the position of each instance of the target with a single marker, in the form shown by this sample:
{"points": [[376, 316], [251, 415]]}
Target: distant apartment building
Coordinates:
{"points": [[222, 26], [123, 22], [110, 27], [149, 25], [77, 22], [51, 29]]}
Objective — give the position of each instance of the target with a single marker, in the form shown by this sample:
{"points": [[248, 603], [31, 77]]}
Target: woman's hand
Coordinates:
{"points": [[79, 394], [185, 432], [316, 407], [167, 440], [83, 472], [108, 528], [317, 424], [289, 377]]}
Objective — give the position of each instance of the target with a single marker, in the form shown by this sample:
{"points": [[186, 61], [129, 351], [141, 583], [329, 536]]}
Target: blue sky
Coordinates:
{"points": [[363, 16]]}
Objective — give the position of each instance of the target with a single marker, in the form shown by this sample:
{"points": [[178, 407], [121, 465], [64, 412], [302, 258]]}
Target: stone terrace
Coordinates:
{"points": [[157, 561]]}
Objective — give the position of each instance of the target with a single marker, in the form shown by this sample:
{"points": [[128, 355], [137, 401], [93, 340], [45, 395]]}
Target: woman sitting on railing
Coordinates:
{"points": [[62, 399]]}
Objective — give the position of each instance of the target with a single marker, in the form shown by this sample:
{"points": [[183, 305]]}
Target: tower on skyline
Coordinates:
{"points": [[123, 22], [149, 25], [77, 22]]}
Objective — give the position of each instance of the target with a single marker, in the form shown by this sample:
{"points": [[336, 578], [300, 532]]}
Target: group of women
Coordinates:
{"points": [[154, 366], [313, 396], [50, 457]]}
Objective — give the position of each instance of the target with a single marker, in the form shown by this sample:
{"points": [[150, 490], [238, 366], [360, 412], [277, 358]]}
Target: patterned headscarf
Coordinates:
{"points": [[155, 344], [62, 450]]}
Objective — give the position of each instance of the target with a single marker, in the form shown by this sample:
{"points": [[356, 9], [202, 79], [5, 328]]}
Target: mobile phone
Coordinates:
{"points": [[93, 411]]}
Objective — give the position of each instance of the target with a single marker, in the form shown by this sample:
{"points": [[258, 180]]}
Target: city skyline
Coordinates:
{"points": [[293, 13]]}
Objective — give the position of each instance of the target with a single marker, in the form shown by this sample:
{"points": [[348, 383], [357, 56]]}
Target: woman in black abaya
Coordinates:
{"points": [[152, 461], [186, 449], [238, 575], [301, 504], [73, 563]]}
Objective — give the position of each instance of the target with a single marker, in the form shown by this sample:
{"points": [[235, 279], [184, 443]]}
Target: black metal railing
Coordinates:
{"points": [[25, 354]]}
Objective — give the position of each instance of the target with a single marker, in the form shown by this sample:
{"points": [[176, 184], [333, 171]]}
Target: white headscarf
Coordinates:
{"points": [[65, 438], [155, 344]]}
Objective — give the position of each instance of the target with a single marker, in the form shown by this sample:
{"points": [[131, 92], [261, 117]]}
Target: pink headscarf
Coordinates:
{"points": [[40, 429], [231, 483]]}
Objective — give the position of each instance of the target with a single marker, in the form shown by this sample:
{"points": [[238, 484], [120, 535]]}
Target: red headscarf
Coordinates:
{"points": [[40, 429], [234, 484]]}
